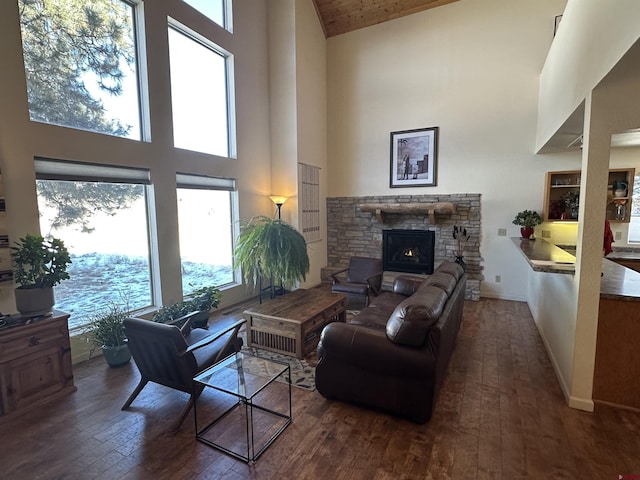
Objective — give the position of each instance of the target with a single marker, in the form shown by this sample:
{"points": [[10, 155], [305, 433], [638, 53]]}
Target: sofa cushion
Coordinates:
{"points": [[441, 280], [410, 322], [374, 318], [406, 285], [452, 268]]}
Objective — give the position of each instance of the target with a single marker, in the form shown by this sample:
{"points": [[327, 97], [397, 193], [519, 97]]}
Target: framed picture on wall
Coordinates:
{"points": [[414, 158]]}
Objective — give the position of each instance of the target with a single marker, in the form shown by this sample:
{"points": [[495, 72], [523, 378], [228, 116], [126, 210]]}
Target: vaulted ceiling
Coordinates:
{"points": [[342, 16]]}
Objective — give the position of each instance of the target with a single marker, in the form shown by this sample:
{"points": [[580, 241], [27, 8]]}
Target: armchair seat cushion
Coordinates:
{"points": [[352, 288]]}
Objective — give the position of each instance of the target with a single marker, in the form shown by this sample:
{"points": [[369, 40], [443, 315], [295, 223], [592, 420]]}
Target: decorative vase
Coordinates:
{"points": [[460, 261], [526, 232], [33, 302], [116, 356]]}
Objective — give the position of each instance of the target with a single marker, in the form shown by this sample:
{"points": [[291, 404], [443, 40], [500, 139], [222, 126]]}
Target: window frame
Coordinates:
{"points": [[74, 171], [214, 183], [229, 84]]}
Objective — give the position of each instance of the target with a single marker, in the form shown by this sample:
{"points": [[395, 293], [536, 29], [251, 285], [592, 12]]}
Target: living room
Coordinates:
{"points": [[471, 68]]}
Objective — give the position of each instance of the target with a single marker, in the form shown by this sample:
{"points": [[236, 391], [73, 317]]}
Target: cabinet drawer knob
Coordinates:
{"points": [[33, 341]]}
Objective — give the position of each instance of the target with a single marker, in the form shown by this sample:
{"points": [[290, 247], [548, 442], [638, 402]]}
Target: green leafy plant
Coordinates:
{"points": [[202, 299], [527, 218], [39, 262], [106, 329], [271, 248]]}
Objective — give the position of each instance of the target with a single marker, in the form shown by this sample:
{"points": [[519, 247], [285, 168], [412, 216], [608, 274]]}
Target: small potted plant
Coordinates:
{"points": [[572, 202], [106, 331], [202, 301], [527, 219], [39, 264]]}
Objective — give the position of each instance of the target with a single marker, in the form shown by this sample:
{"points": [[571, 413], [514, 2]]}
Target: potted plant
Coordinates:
{"points": [[572, 202], [106, 331], [202, 301], [39, 264], [271, 248], [527, 219]]}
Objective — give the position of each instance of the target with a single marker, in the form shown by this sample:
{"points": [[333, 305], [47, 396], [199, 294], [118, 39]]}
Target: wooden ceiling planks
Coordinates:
{"points": [[342, 16]]}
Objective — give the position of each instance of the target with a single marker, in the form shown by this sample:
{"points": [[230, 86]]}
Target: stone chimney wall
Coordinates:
{"points": [[351, 232]]}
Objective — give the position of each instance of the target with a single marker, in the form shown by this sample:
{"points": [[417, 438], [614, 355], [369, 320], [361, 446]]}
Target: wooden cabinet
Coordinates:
{"points": [[561, 187], [35, 364]]}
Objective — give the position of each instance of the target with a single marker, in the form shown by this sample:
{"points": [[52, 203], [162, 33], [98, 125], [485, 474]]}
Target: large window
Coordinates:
{"points": [[101, 215], [199, 94], [206, 221], [81, 64]]}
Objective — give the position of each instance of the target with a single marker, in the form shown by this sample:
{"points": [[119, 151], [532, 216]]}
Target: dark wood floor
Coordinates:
{"points": [[500, 414]]}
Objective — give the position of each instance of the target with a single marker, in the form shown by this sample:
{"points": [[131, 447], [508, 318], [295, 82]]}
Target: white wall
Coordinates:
{"points": [[298, 90], [592, 38], [311, 73], [470, 68]]}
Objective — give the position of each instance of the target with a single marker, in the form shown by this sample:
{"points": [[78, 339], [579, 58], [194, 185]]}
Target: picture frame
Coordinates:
{"points": [[414, 158]]}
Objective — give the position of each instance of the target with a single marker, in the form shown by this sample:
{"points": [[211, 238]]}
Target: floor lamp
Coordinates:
{"points": [[273, 291]]}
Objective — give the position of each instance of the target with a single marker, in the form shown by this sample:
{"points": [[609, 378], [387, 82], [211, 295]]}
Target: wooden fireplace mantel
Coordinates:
{"points": [[430, 209]]}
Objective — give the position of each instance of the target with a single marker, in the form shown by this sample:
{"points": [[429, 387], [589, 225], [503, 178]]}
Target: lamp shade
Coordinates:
{"points": [[278, 199]]}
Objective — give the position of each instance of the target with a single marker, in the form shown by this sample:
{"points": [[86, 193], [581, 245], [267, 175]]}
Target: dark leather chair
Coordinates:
{"points": [[363, 277], [172, 356]]}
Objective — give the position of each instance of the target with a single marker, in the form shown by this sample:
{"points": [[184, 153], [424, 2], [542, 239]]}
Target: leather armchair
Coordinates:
{"points": [[172, 356], [363, 277]]}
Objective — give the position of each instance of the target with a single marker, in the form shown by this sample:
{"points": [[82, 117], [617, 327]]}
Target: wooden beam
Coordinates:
{"points": [[430, 209]]}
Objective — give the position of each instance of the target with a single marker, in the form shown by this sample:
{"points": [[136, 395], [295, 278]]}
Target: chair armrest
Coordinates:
{"points": [[335, 278], [235, 327], [373, 287], [186, 327]]}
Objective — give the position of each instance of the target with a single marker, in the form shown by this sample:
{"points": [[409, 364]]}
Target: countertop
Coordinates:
{"points": [[618, 282]]}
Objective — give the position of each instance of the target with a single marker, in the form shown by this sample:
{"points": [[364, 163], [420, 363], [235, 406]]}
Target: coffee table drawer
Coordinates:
{"points": [[280, 326], [334, 310]]}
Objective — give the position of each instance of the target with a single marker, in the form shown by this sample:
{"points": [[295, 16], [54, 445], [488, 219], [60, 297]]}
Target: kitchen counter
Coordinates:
{"points": [[618, 282], [544, 256]]}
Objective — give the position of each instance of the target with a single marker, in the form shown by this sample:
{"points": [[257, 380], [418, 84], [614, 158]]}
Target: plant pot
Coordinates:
{"points": [[116, 356], [33, 302], [200, 319], [526, 232]]}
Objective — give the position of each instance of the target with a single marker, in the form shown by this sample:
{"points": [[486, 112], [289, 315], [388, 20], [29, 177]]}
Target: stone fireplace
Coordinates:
{"points": [[355, 227]]}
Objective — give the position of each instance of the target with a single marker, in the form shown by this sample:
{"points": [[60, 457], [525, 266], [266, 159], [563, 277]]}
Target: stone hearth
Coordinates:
{"points": [[352, 232]]}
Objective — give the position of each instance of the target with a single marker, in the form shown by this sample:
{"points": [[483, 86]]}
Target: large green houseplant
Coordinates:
{"points": [[106, 331], [39, 264], [273, 249]]}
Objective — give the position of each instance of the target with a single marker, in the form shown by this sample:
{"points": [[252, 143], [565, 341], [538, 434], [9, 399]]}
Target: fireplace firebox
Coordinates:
{"points": [[410, 251]]}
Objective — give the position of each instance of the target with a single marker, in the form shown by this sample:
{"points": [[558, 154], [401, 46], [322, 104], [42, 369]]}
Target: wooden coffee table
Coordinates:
{"points": [[291, 324]]}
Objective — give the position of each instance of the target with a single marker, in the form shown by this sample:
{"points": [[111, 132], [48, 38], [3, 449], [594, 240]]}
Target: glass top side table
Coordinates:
{"points": [[250, 381]]}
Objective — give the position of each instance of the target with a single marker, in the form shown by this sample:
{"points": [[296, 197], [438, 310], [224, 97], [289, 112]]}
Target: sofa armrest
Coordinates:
{"points": [[371, 350]]}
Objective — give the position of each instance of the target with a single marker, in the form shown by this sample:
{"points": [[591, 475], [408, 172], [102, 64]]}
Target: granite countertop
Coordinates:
{"points": [[618, 282], [544, 256]]}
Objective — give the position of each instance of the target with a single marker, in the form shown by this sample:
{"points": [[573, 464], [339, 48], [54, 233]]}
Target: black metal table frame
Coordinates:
{"points": [[252, 455]]}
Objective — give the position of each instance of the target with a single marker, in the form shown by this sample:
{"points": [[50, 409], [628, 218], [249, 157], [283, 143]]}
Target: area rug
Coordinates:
{"points": [[303, 372]]}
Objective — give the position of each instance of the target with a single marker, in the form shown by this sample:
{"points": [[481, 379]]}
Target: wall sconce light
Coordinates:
{"points": [[279, 201]]}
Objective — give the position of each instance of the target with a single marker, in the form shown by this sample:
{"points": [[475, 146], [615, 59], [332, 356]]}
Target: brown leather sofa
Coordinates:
{"points": [[393, 356]]}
